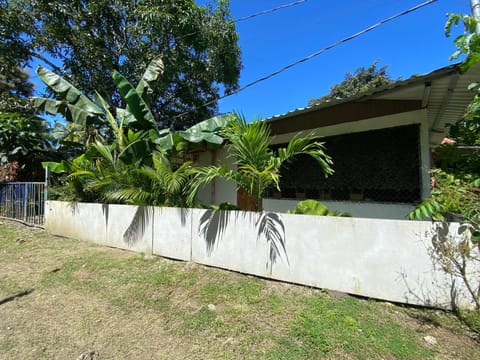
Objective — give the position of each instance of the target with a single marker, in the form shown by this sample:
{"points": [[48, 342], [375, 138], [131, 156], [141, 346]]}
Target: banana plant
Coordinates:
{"points": [[92, 118], [71, 103], [87, 114], [120, 166]]}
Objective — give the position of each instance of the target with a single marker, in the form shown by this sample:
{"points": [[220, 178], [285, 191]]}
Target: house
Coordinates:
{"points": [[380, 141]]}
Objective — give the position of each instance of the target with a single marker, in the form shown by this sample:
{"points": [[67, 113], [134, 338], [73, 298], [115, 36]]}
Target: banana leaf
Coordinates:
{"points": [[80, 104], [206, 130], [70, 112], [165, 142], [135, 104], [56, 167], [153, 71], [125, 116]]}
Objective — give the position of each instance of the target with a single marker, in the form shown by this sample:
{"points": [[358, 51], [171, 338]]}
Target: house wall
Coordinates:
{"points": [[219, 190], [383, 259], [371, 210], [224, 191], [382, 122], [425, 156]]}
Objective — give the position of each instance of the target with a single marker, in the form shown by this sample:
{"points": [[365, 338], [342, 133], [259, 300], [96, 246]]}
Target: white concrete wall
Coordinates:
{"points": [[371, 210], [383, 259], [121, 226], [233, 241], [172, 233]]}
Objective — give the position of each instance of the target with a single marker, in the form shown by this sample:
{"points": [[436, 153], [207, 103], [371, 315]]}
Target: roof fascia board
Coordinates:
{"points": [[342, 113], [412, 81]]}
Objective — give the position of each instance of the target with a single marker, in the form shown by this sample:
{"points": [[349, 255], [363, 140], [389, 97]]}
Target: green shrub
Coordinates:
{"points": [[314, 207], [223, 206], [471, 319]]}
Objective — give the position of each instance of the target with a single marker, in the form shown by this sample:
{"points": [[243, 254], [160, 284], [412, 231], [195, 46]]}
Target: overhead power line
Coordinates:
{"points": [[331, 46], [270, 10], [248, 17], [315, 54]]}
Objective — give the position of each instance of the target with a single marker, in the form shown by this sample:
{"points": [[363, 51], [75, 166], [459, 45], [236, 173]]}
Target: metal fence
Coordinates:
{"points": [[23, 201]]}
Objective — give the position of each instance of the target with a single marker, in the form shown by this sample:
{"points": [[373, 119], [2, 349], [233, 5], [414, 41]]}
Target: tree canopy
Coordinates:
{"points": [[92, 39], [24, 137], [363, 79]]}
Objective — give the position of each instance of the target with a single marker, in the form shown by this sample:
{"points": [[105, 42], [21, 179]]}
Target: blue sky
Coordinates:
{"points": [[412, 44]]}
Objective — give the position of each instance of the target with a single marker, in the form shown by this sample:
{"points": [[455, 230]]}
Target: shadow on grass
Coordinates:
{"points": [[16, 296]]}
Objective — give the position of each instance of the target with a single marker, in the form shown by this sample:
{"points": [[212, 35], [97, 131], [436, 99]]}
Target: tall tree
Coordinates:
{"points": [[15, 88], [24, 137], [14, 47], [91, 39], [363, 79]]}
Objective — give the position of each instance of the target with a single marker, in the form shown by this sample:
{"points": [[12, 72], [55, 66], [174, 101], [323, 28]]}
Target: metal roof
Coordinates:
{"points": [[443, 92]]}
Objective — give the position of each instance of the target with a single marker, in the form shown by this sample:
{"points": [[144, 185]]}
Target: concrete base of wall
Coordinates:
{"points": [[383, 259]]}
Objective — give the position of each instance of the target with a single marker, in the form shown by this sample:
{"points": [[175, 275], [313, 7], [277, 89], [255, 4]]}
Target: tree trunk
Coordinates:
{"points": [[248, 202]]}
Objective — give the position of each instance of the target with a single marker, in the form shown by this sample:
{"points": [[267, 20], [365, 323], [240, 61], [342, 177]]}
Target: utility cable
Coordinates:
{"points": [[270, 10], [263, 12], [315, 54]]}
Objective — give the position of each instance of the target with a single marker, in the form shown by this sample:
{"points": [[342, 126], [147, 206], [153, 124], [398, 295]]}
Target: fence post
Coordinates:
{"points": [[25, 202], [45, 190]]}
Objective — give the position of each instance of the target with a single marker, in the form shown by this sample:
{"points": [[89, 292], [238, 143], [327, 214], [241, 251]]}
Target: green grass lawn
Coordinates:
{"points": [[61, 298]]}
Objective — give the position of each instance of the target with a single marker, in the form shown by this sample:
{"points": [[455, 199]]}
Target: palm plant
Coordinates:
{"points": [[116, 174], [257, 166], [101, 170], [162, 184]]}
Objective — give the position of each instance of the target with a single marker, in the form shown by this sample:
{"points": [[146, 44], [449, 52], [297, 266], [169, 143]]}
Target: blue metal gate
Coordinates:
{"points": [[23, 201]]}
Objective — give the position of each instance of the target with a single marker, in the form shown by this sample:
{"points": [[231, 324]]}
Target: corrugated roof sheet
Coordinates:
{"points": [[377, 91]]}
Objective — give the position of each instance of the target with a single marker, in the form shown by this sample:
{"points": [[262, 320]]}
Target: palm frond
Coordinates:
{"points": [[108, 153], [206, 174], [255, 181], [305, 146], [82, 173], [178, 179], [132, 196], [149, 174], [248, 142]]}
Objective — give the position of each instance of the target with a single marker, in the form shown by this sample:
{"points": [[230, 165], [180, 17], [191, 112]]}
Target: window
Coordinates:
{"points": [[379, 165]]}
